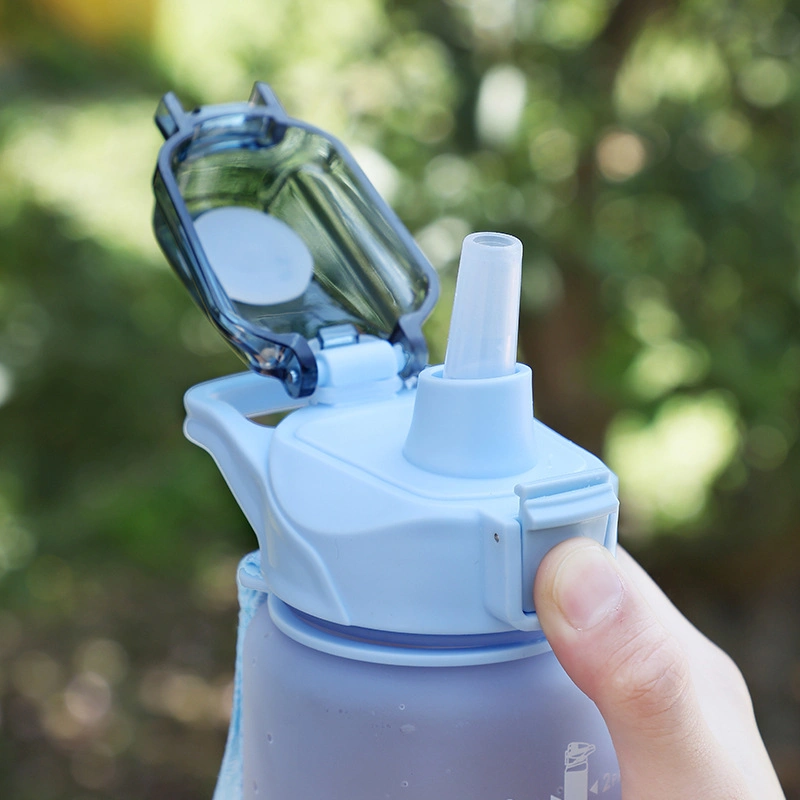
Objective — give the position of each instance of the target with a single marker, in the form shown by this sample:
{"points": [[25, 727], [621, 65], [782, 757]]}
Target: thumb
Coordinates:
{"points": [[612, 645]]}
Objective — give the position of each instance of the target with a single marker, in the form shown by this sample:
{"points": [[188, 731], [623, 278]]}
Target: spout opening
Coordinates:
{"points": [[494, 240]]}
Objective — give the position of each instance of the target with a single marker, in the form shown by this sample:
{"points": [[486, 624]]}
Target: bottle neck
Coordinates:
{"points": [[404, 649]]}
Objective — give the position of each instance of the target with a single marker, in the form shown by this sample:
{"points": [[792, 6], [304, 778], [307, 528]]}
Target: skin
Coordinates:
{"points": [[676, 706]]}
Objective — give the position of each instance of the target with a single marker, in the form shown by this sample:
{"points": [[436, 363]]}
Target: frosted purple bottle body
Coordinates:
{"points": [[317, 725]]}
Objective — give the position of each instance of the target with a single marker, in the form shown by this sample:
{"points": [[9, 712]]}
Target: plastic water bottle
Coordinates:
{"points": [[388, 643]]}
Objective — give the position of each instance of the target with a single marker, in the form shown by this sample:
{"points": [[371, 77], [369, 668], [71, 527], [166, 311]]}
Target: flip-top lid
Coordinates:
{"points": [[283, 241]]}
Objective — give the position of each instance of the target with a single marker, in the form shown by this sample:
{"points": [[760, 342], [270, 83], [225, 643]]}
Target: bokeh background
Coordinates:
{"points": [[647, 152]]}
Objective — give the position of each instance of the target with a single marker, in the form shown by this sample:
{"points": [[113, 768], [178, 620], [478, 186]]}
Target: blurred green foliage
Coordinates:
{"points": [[646, 154]]}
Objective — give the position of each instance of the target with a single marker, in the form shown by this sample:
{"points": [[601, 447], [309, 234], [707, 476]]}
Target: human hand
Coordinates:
{"points": [[676, 706]]}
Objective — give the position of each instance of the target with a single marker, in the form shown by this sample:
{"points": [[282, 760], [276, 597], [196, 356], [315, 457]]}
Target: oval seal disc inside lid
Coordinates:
{"points": [[258, 259]]}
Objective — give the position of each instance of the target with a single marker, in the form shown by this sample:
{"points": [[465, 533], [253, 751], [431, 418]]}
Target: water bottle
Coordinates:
{"points": [[388, 645]]}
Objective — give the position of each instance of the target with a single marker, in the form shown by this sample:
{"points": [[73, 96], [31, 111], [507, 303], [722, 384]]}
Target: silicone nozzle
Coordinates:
{"points": [[483, 329]]}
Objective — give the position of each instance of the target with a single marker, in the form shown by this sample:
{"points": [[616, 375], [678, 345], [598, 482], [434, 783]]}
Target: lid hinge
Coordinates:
{"points": [[355, 368]]}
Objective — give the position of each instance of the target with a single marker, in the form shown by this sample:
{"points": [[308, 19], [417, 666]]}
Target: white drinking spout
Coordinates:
{"points": [[485, 320], [473, 416]]}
